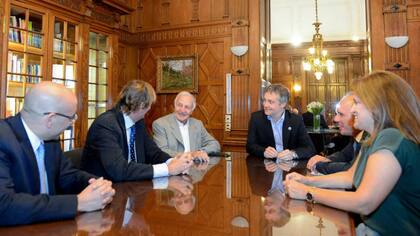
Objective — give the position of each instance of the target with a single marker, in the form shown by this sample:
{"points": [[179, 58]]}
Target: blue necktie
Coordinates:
{"points": [[132, 139], [43, 179]]}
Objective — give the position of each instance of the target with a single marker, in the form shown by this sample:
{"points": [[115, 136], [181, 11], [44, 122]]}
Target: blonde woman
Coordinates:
{"points": [[387, 172]]}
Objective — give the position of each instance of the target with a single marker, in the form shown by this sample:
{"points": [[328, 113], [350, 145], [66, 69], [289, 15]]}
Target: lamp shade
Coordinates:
{"points": [[239, 221], [396, 41], [239, 50]]}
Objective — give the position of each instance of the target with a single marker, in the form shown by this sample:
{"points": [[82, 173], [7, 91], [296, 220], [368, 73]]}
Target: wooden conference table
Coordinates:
{"points": [[234, 195]]}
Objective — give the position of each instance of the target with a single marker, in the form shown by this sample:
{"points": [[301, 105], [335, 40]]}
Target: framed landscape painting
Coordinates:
{"points": [[177, 73]]}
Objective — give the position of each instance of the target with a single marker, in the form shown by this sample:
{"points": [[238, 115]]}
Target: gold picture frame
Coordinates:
{"points": [[177, 73]]}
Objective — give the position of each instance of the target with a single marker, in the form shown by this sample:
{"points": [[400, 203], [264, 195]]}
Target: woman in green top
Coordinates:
{"points": [[386, 173]]}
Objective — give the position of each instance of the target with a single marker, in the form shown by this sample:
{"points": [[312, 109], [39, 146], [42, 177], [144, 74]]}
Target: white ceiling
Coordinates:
{"points": [[341, 20]]}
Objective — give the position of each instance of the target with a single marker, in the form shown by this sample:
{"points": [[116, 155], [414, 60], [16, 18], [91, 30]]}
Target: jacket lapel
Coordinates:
{"points": [[175, 129], [121, 124], [287, 129], [192, 135], [28, 153], [268, 130], [50, 166], [141, 156]]}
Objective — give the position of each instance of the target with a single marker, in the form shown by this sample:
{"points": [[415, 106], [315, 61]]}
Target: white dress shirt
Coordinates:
{"points": [[185, 134], [159, 170]]}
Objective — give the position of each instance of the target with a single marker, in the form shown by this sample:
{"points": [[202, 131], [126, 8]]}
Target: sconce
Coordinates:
{"points": [[396, 41], [239, 221], [239, 50]]}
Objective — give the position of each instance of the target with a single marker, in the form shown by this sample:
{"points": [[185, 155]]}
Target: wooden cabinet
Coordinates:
{"points": [[26, 53], [67, 44]]}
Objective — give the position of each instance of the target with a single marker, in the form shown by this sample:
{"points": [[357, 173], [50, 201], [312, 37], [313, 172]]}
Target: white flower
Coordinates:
{"points": [[315, 107]]}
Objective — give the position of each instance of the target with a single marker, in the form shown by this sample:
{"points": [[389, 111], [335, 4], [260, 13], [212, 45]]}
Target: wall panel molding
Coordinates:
{"points": [[199, 31]]}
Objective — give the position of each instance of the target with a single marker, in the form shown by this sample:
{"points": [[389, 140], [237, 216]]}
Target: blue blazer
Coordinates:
{"points": [[20, 198], [106, 150], [295, 137]]}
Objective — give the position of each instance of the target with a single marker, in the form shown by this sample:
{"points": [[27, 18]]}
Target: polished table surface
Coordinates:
{"points": [[233, 195]]}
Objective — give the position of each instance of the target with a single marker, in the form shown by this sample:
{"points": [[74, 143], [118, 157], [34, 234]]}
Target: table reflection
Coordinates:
{"points": [[285, 216], [228, 196]]}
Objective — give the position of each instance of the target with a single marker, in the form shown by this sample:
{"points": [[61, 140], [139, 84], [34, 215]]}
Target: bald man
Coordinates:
{"points": [[37, 183], [341, 160]]}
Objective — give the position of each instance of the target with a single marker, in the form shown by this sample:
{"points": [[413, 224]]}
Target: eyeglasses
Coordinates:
{"points": [[72, 118]]}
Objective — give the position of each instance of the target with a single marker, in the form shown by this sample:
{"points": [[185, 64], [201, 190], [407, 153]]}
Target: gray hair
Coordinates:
{"points": [[282, 92], [185, 93]]}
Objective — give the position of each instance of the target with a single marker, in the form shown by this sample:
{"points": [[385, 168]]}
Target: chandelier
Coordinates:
{"points": [[318, 60]]}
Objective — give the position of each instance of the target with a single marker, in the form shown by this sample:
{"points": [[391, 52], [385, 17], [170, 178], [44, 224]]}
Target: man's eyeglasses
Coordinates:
{"points": [[72, 118]]}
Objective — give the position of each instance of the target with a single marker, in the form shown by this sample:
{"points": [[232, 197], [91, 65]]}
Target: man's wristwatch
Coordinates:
{"points": [[309, 196], [294, 155]]}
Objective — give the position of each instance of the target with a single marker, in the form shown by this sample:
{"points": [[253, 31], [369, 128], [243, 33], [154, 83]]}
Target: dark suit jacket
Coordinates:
{"points": [[20, 198], [345, 155], [295, 137], [340, 161], [106, 150]]}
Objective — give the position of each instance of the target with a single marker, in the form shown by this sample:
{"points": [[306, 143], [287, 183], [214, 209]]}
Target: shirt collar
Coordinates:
{"points": [[128, 122], [270, 118], [35, 140], [360, 136], [180, 124]]}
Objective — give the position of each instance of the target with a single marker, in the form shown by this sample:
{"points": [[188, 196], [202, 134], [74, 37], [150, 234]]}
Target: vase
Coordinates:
{"points": [[317, 122]]}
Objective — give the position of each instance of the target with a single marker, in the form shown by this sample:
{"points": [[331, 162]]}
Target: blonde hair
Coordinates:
{"points": [[392, 101], [136, 94]]}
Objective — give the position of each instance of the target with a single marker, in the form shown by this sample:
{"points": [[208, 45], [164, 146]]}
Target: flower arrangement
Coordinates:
{"points": [[315, 107]]}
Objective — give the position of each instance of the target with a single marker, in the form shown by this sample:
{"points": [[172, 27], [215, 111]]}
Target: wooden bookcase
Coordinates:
{"points": [[48, 42], [25, 53]]}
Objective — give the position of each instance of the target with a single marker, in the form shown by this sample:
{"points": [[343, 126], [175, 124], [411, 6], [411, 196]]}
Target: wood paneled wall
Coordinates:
{"points": [[206, 28], [393, 18], [211, 69], [351, 61]]}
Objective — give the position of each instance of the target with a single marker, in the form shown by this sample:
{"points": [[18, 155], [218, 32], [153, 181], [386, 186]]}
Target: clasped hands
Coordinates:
{"points": [[296, 186], [96, 195], [286, 154]]}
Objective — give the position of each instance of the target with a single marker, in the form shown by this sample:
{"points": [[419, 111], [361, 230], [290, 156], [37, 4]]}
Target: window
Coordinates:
{"points": [[64, 67], [98, 75]]}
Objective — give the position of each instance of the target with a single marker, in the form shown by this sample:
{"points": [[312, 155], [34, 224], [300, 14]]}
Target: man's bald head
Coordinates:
{"points": [[344, 118], [50, 97], [48, 109]]}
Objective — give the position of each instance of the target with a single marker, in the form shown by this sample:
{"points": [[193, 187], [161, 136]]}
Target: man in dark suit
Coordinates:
{"points": [[118, 146], [275, 132], [34, 174], [341, 160]]}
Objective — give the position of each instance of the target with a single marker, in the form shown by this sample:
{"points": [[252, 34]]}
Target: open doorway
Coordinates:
{"points": [[344, 30]]}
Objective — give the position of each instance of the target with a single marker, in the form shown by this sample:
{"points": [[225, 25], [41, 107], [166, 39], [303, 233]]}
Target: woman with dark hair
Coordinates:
{"points": [[386, 174]]}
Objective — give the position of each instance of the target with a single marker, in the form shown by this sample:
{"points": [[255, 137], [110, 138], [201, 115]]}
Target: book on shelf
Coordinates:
{"points": [[14, 66], [14, 105], [33, 72], [14, 34]]}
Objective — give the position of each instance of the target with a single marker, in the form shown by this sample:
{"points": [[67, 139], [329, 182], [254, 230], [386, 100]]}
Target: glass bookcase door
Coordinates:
{"points": [[64, 67], [98, 75], [25, 57]]}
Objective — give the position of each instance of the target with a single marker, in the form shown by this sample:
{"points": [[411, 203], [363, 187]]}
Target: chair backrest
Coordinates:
{"points": [[75, 156]]}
